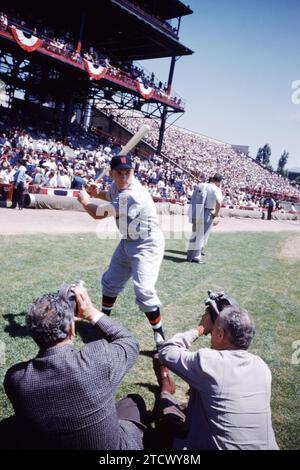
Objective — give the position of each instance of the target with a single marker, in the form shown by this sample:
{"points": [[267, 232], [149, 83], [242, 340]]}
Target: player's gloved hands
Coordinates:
{"points": [[84, 198]]}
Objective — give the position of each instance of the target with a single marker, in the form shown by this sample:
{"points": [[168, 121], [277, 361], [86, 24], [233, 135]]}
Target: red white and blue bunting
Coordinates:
{"points": [[33, 43], [28, 44], [146, 93], [95, 72], [59, 192]]}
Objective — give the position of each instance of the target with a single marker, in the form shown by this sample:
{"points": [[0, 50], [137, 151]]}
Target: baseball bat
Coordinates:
{"points": [[135, 139]]}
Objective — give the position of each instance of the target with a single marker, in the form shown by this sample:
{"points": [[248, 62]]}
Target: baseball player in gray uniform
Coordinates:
{"points": [[141, 249], [203, 214]]}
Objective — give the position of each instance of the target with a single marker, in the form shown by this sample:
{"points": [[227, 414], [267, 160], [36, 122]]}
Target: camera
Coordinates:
{"points": [[66, 293], [216, 302]]}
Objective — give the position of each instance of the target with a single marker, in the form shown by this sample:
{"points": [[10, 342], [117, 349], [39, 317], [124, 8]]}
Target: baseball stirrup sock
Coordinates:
{"points": [[107, 304], [156, 323]]}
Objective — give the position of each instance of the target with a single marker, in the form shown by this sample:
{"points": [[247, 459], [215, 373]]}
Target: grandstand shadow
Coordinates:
{"points": [[15, 329]]}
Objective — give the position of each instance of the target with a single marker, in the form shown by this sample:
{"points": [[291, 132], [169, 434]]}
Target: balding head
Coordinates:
{"points": [[234, 328], [238, 325]]}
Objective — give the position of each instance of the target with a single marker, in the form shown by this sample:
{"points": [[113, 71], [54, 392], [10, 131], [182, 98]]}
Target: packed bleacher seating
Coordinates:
{"points": [[54, 165], [203, 156]]}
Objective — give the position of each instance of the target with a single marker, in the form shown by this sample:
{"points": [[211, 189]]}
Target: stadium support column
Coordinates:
{"points": [[69, 103], [88, 113], [82, 25], [164, 115], [162, 130]]}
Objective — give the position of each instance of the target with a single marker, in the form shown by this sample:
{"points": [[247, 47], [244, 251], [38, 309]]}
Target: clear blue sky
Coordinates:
{"points": [[238, 83]]}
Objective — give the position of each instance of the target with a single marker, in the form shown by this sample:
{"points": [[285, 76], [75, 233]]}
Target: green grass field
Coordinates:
{"points": [[246, 265]]}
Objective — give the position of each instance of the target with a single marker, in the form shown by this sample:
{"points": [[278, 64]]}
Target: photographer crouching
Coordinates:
{"points": [[230, 388], [64, 397]]}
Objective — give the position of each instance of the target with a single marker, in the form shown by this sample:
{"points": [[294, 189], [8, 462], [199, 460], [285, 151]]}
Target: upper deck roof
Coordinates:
{"points": [[121, 28]]}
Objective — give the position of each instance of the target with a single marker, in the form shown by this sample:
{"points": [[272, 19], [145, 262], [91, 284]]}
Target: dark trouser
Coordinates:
{"points": [[170, 423], [18, 196], [270, 210], [132, 408], [13, 435]]}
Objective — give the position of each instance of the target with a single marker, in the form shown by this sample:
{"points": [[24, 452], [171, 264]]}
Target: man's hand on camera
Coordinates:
{"points": [[85, 308], [206, 325]]}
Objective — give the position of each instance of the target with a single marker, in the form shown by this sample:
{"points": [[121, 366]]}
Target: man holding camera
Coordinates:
{"points": [[64, 398], [230, 388]]}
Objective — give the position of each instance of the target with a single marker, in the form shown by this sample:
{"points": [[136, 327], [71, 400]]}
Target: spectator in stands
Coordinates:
{"points": [[37, 177], [230, 388], [64, 398], [50, 180], [78, 181], [63, 180], [75, 56], [19, 185], [270, 204], [3, 21], [6, 173]]}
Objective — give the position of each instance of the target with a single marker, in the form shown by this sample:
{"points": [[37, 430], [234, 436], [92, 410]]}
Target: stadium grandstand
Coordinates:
{"points": [[71, 96]]}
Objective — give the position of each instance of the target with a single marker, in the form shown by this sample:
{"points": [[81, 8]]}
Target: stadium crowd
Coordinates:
{"points": [[49, 165], [203, 156], [188, 158]]}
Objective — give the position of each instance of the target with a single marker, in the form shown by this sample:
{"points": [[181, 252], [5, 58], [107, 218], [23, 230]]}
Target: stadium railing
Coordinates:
{"points": [[72, 57], [152, 19]]}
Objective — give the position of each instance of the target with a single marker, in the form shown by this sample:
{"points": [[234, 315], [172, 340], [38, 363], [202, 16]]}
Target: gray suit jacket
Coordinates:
{"points": [[67, 395], [230, 394]]}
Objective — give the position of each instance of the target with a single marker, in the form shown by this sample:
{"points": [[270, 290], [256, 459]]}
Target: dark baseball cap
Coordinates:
{"points": [[121, 162]]}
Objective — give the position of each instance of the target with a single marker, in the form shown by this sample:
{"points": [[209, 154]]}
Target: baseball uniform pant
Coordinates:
{"points": [[140, 259], [201, 229]]}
